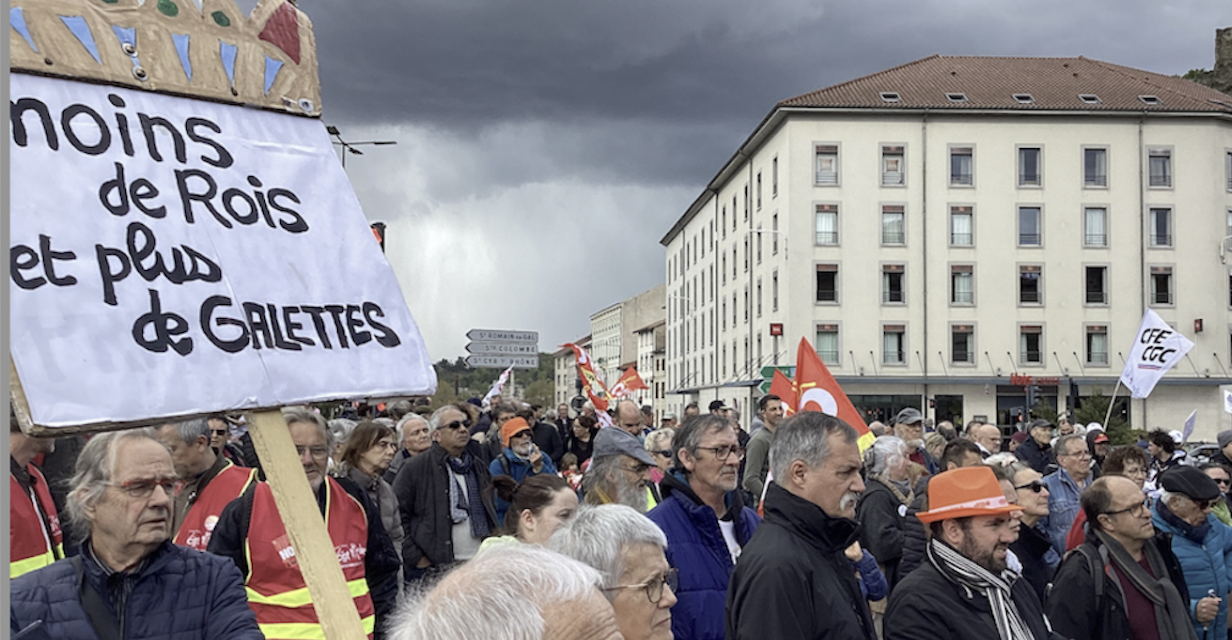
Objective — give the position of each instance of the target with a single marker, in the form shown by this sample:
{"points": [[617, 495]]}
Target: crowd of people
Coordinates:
{"points": [[500, 519]]}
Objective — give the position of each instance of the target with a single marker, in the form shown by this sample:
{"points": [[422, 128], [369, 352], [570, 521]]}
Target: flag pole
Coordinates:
{"points": [[1110, 401]]}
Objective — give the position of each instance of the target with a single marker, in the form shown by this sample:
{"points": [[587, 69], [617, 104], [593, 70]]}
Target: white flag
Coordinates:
{"points": [[499, 384], [1157, 348], [1227, 400]]}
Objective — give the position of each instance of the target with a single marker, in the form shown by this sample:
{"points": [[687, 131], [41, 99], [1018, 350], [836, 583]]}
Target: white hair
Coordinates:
{"points": [[405, 420], [884, 452], [805, 437], [496, 596], [600, 535]]}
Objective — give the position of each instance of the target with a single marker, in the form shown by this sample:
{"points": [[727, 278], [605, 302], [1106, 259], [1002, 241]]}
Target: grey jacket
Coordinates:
{"points": [[381, 494]]}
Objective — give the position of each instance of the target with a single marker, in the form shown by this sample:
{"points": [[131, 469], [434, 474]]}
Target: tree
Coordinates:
{"points": [[1095, 407], [540, 392]]}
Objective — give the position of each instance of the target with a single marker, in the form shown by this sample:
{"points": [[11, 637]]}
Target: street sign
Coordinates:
{"points": [[503, 348], [501, 362], [767, 374], [497, 335]]}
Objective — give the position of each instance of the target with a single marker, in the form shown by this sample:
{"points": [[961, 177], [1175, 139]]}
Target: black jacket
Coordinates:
{"points": [[915, 540], [881, 527], [1030, 548], [793, 582], [548, 440], [422, 488], [1037, 458], [1073, 608], [928, 606]]}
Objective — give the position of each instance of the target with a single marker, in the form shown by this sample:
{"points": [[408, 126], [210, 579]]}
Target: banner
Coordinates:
{"points": [[499, 384], [1157, 348], [629, 381], [1227, 400], [172, 256], [593, 386], [1189, 426], [819, 391]]}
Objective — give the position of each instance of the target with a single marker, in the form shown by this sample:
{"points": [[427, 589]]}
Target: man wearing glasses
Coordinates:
{"points": [[445, 497], [130, 581], [705, 521], [1065, 487], [619, 471], [251, 533], [1123, 581], [209, 482]]}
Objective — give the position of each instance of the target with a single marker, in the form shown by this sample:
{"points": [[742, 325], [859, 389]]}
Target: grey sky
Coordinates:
{"points": [[545, 147]]}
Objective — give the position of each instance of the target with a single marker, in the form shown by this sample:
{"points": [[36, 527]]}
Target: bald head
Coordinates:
{"points": [[629, 417], [989, 437]]}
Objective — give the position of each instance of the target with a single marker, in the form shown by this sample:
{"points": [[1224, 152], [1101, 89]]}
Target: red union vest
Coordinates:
{"points": [[229, 484], [30, 545], [276, 589]]}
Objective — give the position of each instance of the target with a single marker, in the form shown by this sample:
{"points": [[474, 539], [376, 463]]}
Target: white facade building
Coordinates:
{"points": [[940, 229]]}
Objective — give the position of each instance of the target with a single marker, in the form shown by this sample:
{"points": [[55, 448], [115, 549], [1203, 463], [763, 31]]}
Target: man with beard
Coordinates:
{"points": [[909, 425], [705, 521], [619, 471], [520, 459], [964, 591], [793, 580]]}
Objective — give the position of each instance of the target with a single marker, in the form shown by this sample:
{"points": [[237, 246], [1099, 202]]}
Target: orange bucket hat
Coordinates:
{"points": [[511, 428], [969, 491]]}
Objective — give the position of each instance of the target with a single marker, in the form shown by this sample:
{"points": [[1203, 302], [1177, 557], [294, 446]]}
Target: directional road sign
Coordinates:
{"points": [[503, 348], [498, 335], [767, 374], [502, 362]]}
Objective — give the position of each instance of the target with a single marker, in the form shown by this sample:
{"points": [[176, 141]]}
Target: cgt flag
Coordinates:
{"points": [[785, 389], [629, 381], [1157, 348], [598, 393], [820, 392]]}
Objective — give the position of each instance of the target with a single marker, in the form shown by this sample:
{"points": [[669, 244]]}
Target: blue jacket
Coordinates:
{"points": [[1207, 565], [519, 470], [696, 548], [1064, 503], [182, 594]]}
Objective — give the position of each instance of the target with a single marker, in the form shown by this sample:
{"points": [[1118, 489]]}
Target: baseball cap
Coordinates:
{"points": [[717, 405], [611, 441], [910, 415], [1101, 437], [669, 416], [969, 491]]}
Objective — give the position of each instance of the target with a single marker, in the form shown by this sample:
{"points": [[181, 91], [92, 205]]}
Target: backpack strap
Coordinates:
{"points": [[504, 464], [101, 618], [1096, 564]]}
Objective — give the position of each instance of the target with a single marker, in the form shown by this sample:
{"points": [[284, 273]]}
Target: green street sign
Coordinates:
{"points": [[767, 374]]}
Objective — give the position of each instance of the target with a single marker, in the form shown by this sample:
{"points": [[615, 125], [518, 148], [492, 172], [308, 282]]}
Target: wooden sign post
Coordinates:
{"points": [[175, 254]]}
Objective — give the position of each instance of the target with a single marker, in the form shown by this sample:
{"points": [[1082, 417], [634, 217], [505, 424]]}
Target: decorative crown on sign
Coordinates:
{"points": [[267, 59]]}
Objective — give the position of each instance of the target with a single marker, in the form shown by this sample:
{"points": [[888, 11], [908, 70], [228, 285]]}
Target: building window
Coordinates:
{"points": [[746, 253], [1159, 167], [892, 229], [1030, 227], [759, 191], [746, 304], [759, 235], [1030, 289], [827, 224], [892, 284], [827, 343], [1031, 345], [962, 284], [961, 225], [1097, 345], [735, 259], [774, 177], [961, 166], [723, 266], [723, 222], [774, 291], [1161, 227], [774, 235], [1094, 168], [759, 297], [733, 213], [962, 344], [1227, 169], [827, 164], [1096, 285], [723, 313], [746, 203], [827, 283], [1161, 285], [892, 167], [893, 349], [1095, 227], [1029, 167]]}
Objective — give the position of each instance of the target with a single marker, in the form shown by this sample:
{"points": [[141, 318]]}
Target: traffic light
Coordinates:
{"points": [[1073, 398], [1032, 390]]}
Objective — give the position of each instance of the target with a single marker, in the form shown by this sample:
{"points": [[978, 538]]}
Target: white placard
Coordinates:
{"points": [[1157, 348], [172, 256]]}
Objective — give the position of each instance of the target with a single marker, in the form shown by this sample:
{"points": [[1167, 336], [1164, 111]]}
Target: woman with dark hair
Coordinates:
{"points": [[538, 506], [581, 443], [367, 454]]}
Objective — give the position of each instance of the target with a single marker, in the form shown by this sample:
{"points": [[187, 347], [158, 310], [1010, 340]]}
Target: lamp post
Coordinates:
{"points": [[349, 147]]}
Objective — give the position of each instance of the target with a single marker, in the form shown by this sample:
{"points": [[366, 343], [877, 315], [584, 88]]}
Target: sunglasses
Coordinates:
{"points": [[457, 424], [1035, 486], [668, 454]]}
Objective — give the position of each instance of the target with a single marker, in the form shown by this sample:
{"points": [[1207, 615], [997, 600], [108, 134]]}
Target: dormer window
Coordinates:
{"points": [[890, 96], [1151, 100], [1089, 98], [956, 97], [1024, 98]]}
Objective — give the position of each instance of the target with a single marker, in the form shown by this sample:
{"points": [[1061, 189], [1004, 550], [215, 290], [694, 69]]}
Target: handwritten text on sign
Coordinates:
{"points": [[172, 256]]}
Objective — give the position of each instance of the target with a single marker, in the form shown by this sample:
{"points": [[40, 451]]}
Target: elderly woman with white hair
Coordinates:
{"points": [[629, 552], [887, 494]]}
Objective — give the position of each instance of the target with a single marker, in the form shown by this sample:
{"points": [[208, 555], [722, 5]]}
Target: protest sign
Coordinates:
{"points": [[1157, 348], [172, 256]]}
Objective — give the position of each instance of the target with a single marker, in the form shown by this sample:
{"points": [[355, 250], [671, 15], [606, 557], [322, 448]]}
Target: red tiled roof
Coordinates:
{"points": [[991, 82]]}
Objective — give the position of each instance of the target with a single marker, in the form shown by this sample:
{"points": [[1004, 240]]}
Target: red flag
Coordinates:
{"points": [[785, 389], [820, 392], [629, 381], [593, 385]]}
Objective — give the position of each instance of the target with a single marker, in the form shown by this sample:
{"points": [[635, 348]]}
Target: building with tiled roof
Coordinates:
{"points": [[948, 230]]}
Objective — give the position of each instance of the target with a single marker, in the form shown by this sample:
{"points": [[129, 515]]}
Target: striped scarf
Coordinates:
{"points": [[958, 568]]}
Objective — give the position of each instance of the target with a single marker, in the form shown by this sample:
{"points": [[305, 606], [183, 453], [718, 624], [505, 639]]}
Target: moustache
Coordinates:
{"points": [[849, 500]]}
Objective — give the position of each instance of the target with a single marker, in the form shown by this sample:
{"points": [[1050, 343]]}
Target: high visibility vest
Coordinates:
{"points": [[31, 545], [276, 589], [229, 484]]}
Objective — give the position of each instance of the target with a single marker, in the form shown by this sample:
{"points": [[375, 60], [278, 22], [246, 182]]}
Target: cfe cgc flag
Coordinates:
{"points": [[1157, 348], [598, 393], [819, 391], [629, 381], [499, 384]]}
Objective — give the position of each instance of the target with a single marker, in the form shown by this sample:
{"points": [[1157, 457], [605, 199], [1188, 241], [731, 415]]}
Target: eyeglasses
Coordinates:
{"points": [[1202, 505], [1136, 510], [457, 424], [654, 586], [219, 432], [318, 452], [1035, 486], [1222, 481], [144, 487], [1078, 454], [665, 454], [637, 470], [724, 452]]}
